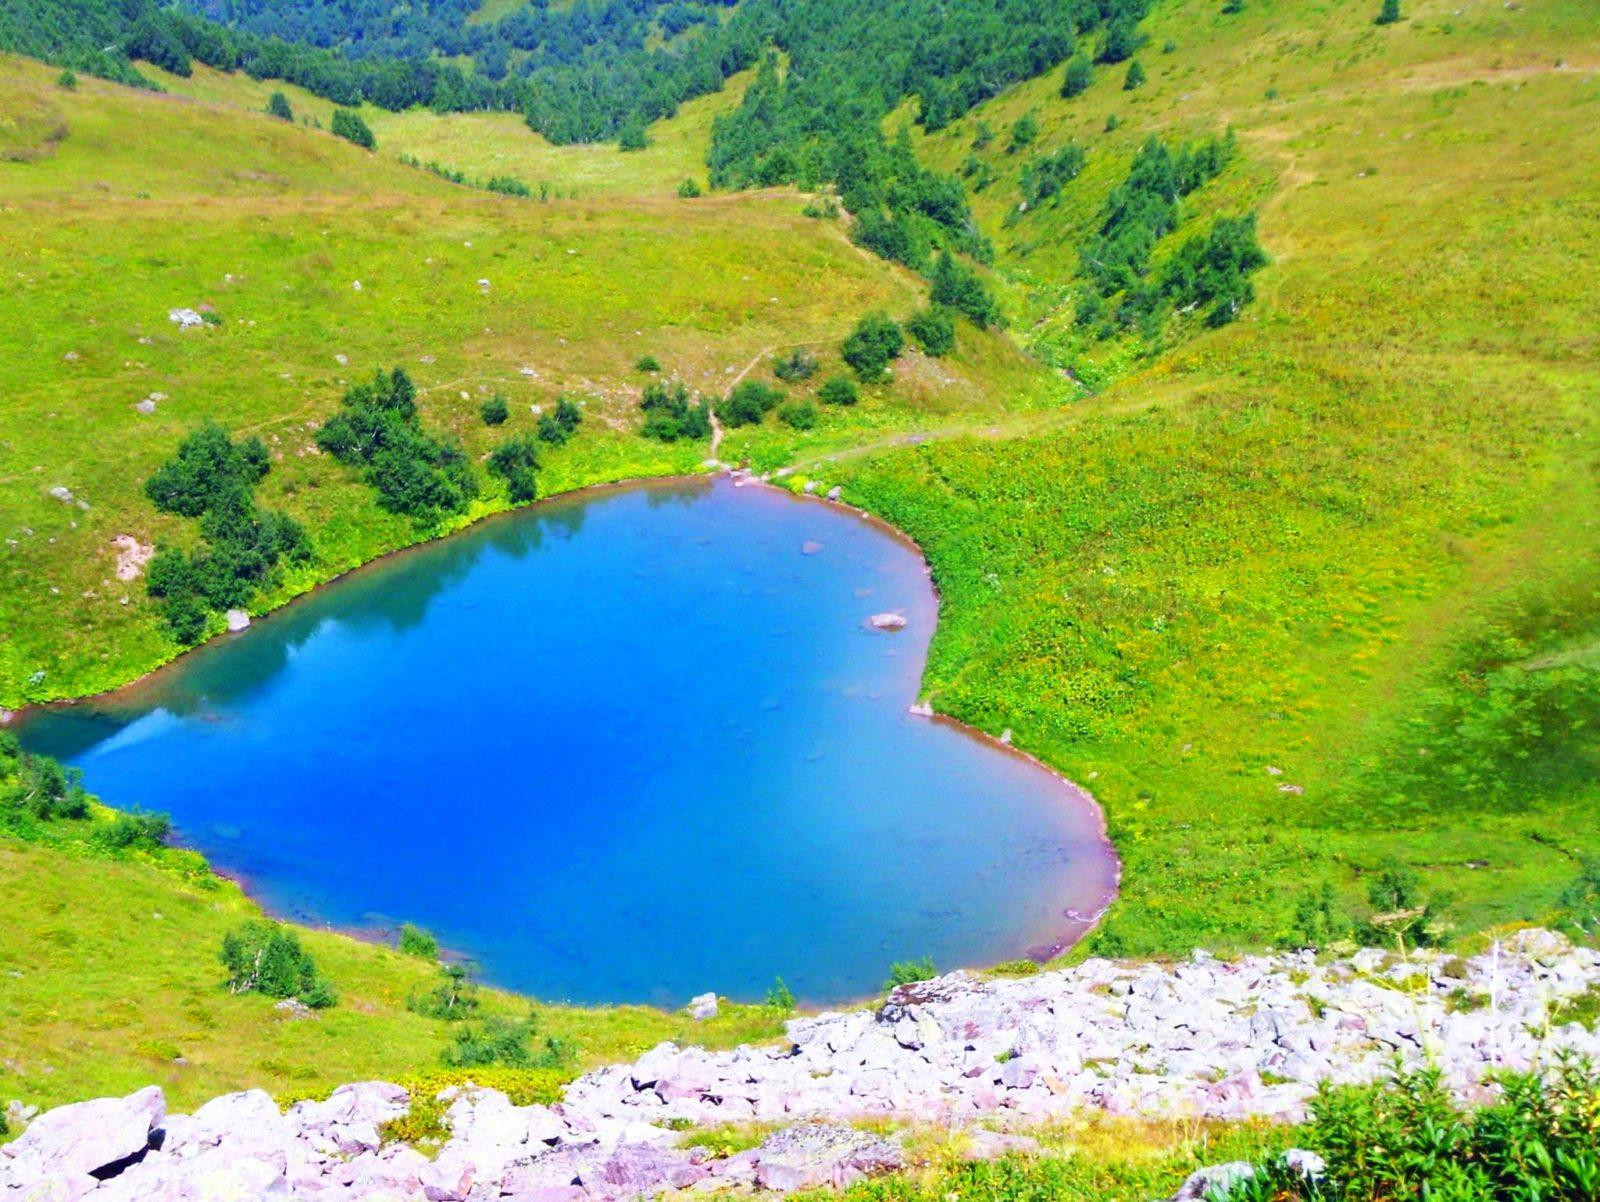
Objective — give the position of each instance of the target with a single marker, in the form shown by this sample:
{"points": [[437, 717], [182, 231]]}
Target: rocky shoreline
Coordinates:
{"points": [[1206, 1037]]}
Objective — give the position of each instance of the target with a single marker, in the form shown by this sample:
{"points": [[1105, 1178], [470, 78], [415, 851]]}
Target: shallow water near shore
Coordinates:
{"points": [[622, 747]]}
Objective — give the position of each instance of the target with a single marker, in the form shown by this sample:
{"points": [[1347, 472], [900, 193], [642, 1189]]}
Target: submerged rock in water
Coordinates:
{"points": [[887, 621]]}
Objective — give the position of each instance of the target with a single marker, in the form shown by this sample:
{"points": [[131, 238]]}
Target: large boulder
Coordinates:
{"points": [[812, 1155], [95, 1139]]}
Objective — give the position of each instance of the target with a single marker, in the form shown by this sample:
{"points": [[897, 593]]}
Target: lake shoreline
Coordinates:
{"points": [[1074, 920]]}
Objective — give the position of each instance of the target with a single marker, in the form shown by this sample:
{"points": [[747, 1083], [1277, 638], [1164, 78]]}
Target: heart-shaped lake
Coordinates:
{"points": [[625, 746]]}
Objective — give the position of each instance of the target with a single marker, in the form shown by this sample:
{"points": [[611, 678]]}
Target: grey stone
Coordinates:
{"points": [[86, 1137]]}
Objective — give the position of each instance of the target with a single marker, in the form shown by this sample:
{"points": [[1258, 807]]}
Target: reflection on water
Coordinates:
{"points": [[625, 747]]}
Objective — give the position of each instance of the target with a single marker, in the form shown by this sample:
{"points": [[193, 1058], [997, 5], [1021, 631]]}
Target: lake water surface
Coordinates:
{"points": [[628, 746]]}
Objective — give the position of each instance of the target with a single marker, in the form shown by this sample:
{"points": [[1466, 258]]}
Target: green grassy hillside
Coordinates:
{"points": [[322, 263], [1291, 599]]}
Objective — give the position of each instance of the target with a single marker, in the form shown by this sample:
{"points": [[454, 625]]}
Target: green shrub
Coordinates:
{"points": [[414, 941], [213, 478], [133, 829], [840, 390], [69, 81], [454, 998], [908, 972], [689, 190], [780, 996], [557, 427], [494, 411], [1580, 901], [632, 136], [670, 415], [1400, 912], [378, 429], [799, 364], [959, 288], [934, 329], [1404, 1138], [347, 124], [1135, 77], [509, 185], [1080, 74], [516, 461], [872, 346], [1046, 175], [503, 1041], [798, 415], [1023, 132], [278, 106], [1388, 14], [647, 363], [748, 403], [266, 958]]}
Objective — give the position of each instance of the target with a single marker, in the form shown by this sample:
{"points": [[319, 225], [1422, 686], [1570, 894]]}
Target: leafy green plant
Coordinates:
{"points": [[839, 390], [908, 972], [799, 364], [780, 996], [516, 461], [349, 125], [453, 998], [498, 1040], [414, 941], [798, 415], [748, 403], [1404, 1138], [872, 346], [934, 330], [558, 426], [494, 411]]}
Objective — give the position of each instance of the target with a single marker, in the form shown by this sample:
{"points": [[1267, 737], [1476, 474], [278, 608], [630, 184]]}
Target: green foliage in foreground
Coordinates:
{"points": [[414, 941], [908, 972], [498, 1040], [267, 958], [1405, 1139]]}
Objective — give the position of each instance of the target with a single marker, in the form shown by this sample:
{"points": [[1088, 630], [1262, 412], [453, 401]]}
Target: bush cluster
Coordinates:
{"points": [[934, 329], [1404, 1138], [799, 364], [212, 478], [748, 403], [378, 430], [516, 461], [349, 125], [875, 343], [497, 1040], [1209, 272], [558, 426], [266, 958], [671, 414], [1047, 174]]}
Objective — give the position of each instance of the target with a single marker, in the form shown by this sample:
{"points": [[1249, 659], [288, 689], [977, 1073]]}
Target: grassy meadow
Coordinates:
{"points": [[1278, 594], [1244, 592]]}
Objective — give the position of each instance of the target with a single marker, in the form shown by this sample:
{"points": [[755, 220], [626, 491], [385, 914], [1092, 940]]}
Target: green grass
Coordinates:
{"points": [[274, 225], [112, 982], [1256, 551]]}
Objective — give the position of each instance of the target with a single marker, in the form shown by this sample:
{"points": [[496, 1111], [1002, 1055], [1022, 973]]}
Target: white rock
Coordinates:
{"points": [[703, 1007], [238, 620], [887, 621]]}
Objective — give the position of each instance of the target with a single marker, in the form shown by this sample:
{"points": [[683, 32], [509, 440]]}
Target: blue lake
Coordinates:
{"points": [[627, 746]]}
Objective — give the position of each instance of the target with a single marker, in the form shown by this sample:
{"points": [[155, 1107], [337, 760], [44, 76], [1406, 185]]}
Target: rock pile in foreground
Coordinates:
{"points": [[1204, 1037]]}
